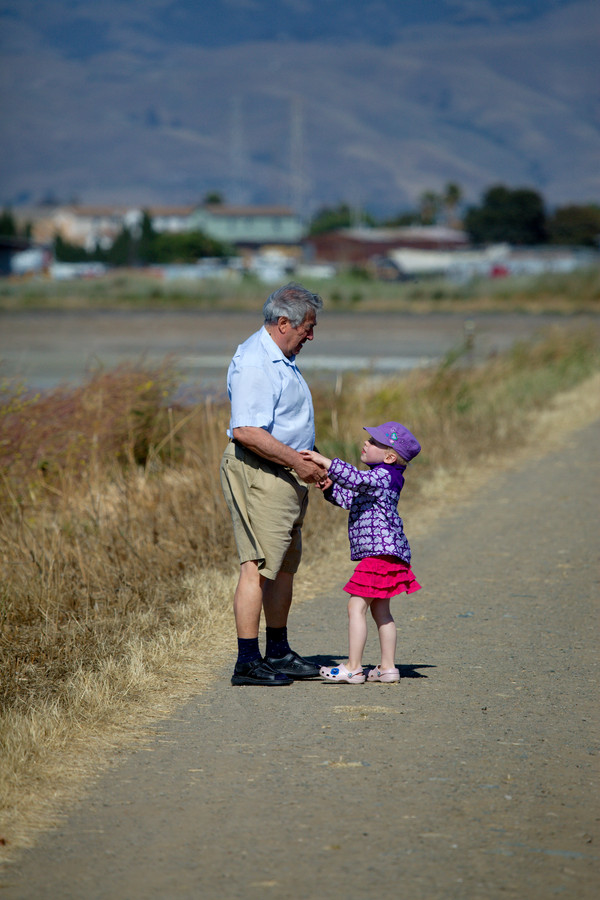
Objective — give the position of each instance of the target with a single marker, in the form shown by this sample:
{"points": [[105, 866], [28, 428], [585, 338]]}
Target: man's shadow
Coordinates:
{"points": [[405, 671]]}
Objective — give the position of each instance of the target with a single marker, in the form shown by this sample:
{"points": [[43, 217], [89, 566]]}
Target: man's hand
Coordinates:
{"points": [[312, 456], [317, 458], [309, 471], [264, 444]]}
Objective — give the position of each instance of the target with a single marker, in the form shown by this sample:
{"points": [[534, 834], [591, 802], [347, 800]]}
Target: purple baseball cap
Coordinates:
{"points": [[396, 436]]}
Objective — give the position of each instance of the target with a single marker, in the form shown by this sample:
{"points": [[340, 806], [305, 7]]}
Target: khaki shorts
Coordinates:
{"points": [[267, 503]]}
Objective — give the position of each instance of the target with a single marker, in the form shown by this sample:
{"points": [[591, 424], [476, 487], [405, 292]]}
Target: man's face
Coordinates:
{"points": [[293, 339]]}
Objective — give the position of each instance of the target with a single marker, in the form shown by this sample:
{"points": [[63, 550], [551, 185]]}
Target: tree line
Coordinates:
{"points": [[515, 216], [504, 215]]}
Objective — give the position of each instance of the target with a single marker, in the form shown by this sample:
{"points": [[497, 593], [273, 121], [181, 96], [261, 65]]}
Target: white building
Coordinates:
{"points": [[249, 226], [243, 226]]}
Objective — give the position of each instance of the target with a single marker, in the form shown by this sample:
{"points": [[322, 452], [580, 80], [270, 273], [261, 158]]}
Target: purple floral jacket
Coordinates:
{"points": [[374, 525]]}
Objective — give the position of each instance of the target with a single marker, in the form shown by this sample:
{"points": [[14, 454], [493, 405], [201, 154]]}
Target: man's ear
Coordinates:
{"points": [[283, 324]]}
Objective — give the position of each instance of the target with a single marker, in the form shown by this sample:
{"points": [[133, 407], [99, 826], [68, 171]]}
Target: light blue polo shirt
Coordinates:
{"points": [[267, 391]]}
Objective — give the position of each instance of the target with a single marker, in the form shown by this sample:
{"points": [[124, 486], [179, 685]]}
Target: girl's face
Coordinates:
{"points": [[373, 452]]}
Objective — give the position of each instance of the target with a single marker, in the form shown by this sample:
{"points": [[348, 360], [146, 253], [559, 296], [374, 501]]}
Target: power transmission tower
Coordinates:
{"points": [[236, 153], [297, 175]]}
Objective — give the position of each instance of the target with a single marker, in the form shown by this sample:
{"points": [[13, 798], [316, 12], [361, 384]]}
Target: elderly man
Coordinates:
{"points": [[265, 481]]}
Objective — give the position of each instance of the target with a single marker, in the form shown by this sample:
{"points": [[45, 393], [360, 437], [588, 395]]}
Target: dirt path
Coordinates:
{"points": [[474, 778]]}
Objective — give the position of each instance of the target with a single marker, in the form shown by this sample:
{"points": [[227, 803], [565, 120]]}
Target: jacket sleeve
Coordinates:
{"points": [[353, 481], [339, 496]]}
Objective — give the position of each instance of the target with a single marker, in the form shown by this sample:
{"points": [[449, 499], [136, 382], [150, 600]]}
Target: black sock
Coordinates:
{"points": [[277, 642], [248, 650]]}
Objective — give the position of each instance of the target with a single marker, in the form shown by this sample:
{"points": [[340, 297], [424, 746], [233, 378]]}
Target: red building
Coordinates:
{"points": [[357, 246]]}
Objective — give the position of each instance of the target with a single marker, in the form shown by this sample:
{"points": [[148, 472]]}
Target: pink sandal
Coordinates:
{"points": [[385, 675], [342, 675]]}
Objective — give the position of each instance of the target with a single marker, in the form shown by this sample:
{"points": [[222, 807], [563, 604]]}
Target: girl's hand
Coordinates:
{"points": [[323, 482], [316, 457]]}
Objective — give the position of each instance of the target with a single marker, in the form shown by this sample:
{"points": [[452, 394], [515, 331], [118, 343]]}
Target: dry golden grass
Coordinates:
{"points": [[116, 555], [52, 747]]}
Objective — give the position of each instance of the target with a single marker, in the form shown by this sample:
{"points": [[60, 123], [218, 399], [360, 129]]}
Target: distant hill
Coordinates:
{"points": [[298, 101]]}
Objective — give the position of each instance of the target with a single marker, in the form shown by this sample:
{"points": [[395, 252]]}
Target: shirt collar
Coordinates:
{"points": [[276, 354]]}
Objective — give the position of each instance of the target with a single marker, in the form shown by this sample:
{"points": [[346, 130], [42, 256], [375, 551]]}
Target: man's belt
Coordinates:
{"points": [[269, 462]]}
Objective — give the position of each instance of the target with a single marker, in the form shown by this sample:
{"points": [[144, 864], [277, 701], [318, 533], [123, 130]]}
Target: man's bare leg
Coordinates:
{"points": [[247, 606], [277, 599], [248, 600]]}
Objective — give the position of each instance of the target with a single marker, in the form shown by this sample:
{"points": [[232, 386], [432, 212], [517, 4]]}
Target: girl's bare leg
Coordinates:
{"points": [[357, 631], [380, 610]]}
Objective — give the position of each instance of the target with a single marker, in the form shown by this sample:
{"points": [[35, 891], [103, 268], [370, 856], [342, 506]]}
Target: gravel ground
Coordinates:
{"points": [[474, 778]]}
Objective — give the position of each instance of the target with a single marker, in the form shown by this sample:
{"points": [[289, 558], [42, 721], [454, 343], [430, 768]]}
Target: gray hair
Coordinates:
{"points": [[292, 301]]}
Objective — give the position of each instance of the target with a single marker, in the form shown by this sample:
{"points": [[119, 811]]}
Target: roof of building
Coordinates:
{"points": [[223, 209], [181, 211], [433, 233], [95, 212]]}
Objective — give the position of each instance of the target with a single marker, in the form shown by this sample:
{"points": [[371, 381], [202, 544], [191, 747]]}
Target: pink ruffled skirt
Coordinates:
{"points": [[382, 577]]}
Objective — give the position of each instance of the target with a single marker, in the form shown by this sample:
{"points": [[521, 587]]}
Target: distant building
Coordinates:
{"points": [[10, 249], [249, 226], [85, 226], [172, 219], [494, 261], [358, 246], [94, 226]]}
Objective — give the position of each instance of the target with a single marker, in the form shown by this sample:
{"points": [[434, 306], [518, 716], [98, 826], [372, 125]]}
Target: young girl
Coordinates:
{"points": [[377, 539]]}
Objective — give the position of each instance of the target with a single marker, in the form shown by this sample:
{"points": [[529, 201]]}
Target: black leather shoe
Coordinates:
{"points": [[293, 665], [258, 672]]}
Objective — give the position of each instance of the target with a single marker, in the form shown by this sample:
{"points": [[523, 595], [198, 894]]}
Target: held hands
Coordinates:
{"points": [[317, 458], [322, 465], [309, 471]]}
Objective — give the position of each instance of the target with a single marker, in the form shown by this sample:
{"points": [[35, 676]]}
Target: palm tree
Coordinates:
{"points": [[451, 199], [429, 207]]}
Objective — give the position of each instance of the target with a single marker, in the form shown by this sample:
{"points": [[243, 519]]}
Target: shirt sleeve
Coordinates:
{"points": [[252, 398]]}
